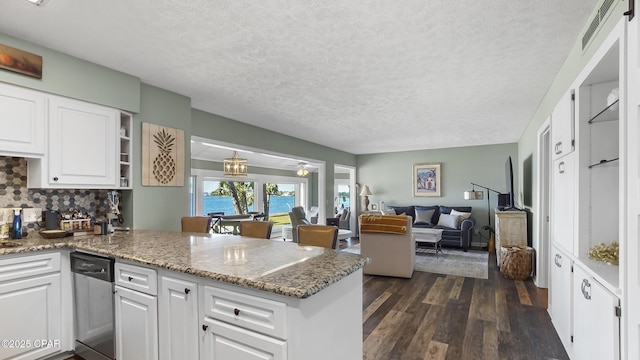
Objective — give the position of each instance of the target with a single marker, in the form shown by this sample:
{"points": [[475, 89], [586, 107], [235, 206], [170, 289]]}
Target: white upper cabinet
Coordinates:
{"points": [[82, 147], [563, 203], [22, 122], [562, 125]]}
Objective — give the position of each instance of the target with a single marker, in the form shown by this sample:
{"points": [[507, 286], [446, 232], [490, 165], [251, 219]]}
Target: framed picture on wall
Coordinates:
{"points": [[426, 179]]}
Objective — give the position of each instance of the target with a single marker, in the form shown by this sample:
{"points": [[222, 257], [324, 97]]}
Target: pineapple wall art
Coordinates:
{"points": [[162, 155]]}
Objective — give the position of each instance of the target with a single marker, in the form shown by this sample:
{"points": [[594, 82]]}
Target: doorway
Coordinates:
{"points": [[541, 275]]}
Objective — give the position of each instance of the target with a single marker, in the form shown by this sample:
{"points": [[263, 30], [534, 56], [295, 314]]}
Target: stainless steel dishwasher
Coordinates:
{"points": [[94, 308]]}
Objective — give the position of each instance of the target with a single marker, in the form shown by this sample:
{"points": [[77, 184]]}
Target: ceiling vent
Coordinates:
{"points": [[595, 23]]}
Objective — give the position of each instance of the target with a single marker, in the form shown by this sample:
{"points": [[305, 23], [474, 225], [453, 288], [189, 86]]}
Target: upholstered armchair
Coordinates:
{"points": [[313, 215], [344, 219], [298, 217]]}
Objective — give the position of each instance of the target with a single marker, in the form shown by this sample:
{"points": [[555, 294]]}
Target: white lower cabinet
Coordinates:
{"points": [[560, 295], [32, 284], [178, 318], [242, 326], [596, 326], [225, 341], [136, 313], [136, 325]]}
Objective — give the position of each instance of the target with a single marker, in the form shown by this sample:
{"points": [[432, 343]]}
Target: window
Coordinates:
{"points": [[344, 195], [229, 197], [278, 199]]}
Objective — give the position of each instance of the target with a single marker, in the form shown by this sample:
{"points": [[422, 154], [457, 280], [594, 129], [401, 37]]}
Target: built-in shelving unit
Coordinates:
{"points": [[126, 151], [599, 168]]}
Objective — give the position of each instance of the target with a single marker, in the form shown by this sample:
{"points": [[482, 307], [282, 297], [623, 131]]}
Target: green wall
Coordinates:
{"points": [[160, 207], [389, 176], [75, 78], [216, 127]]}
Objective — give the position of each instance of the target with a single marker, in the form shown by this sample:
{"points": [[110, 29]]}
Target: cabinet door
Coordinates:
{"points": [[82, 144], [562, 125], [224, 341], [596, 326], [562, 203], [560, 296], [22, 118], [178, 319], [40, 299], [136, 325]]}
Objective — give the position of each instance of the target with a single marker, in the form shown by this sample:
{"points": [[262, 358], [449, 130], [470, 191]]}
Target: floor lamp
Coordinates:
{"points": [[477, 195]]}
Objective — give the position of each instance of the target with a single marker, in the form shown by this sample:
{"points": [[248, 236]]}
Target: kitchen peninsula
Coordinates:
{"points": [[282, 301]]}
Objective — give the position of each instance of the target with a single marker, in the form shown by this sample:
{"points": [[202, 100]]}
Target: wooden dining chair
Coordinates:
{"points": [[197, 224], [256, 229], [318, 235]]}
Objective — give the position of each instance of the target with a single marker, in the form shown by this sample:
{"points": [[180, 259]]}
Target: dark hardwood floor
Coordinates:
{"points": [[432, 316]]}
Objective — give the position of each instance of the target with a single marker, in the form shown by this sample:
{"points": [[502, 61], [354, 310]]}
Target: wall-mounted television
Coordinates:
{"points": [[505, 201]]}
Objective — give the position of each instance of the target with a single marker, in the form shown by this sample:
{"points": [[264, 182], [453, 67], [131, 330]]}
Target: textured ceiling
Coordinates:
{"points": [[359, 76]]}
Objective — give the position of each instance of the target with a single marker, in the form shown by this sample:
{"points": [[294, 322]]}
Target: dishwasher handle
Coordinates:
{"points": [[97, 267]]}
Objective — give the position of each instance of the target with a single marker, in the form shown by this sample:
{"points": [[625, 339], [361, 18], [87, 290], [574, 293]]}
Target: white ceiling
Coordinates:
{"points": [[359, 76]]}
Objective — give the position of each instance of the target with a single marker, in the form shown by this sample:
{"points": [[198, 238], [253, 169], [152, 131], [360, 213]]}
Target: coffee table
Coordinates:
{"points": [[429, 236]]}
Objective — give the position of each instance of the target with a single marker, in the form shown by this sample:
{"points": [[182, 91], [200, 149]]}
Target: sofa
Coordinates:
{"points": [[392, 251], [456, 222]]}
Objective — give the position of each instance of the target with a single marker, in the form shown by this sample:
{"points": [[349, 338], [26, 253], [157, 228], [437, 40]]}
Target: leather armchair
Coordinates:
{"points": [[298, 217]]}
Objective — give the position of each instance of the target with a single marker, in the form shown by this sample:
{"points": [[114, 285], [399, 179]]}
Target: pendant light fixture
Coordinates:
{"points": [[235, 166]]}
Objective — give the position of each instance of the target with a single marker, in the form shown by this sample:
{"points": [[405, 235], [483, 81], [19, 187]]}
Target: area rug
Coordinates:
{"points": [[474, 264]]}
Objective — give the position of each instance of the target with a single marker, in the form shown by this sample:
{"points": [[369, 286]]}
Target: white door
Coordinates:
{"points": [[178, 319], [630, 250], [136, 325], [560, 296], [562, 203], [22, 120], [82, 143], [223, 341], [596, 328], [562, 125], [40, 301]]}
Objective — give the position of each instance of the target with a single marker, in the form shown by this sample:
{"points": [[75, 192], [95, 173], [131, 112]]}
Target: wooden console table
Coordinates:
{"points": [[511, 229]]}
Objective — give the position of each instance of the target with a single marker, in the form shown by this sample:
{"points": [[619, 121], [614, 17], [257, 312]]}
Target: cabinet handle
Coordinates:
{"points": [[558, 260], [55, 178], [187, 290], [236, 311], [205, 327], [130, 278], [558, 147], [584, 287], [561, 167]]}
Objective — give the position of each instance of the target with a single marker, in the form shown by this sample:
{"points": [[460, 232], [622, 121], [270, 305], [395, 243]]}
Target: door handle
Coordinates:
{"points": [[561, 167], [586, 289], [558, 147], [558, 260]]}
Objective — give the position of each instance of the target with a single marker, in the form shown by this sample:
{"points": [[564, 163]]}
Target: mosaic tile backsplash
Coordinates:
{"points": [[14, 193]]}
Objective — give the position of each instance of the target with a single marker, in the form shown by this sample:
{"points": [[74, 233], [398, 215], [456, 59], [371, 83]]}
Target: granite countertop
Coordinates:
{"points": [[271, 265]]}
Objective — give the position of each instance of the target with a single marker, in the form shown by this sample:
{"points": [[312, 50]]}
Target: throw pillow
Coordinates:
{"points": [[463, 216], [423, 217], [448, 220]]}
